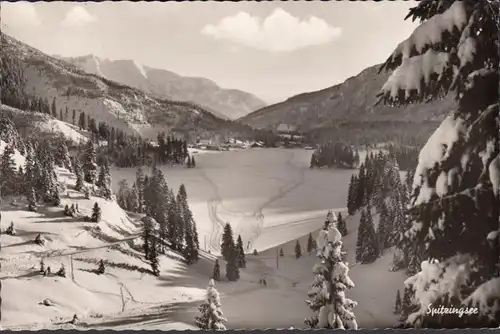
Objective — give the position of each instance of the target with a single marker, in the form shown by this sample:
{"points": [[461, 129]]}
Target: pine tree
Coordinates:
{"points": [[101, 268], [282, 253], [89, 163], [216, 274], [96, 213], [242, 263], [190, 251], [384, 228], [140, 184], [327, 296], [193, 162], [32, 206], [147, 234], [104, 180], [227, 245], [155, 265], [298, 250], [397, 306], [351, 203], [42, 266], [211, 316], [341, 226], [461, 57], [367, 242], [232, 269], [310, 244], [8, 171]]}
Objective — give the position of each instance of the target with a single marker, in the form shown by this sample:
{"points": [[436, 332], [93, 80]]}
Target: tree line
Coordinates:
{"points": [[335, 154]]}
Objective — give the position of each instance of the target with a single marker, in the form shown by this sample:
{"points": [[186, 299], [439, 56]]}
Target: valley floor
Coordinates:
{"points": [[270, 197]]}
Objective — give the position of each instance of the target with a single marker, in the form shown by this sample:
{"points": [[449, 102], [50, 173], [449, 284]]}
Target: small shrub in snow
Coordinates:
{"points": [[10, 230], [96, 213], [255, 252], [211, 316], [47, 302], [281, 252], [101, 268], [42, 266], [62, 271], [39, 240]]}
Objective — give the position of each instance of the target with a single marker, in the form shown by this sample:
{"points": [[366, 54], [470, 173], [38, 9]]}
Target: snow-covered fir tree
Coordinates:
{"points": [[455, 201], [327, 297], [211, 316], [227, 245], [96, 213], [216, 273], [242, 263], [298, 250]]}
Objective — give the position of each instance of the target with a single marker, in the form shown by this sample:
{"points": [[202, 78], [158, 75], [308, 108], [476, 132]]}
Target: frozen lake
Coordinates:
{"points": [[269, 196]]}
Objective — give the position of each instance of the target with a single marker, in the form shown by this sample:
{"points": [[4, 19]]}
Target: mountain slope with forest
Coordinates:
{"points": [[348, 105], [224, 103], [28, 71]]}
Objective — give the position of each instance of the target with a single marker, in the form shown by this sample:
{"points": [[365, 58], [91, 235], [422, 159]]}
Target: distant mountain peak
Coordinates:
{"points": [[224, 103]]}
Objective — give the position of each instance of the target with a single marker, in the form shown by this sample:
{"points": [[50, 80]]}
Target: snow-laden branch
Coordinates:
{"points": [[429, 33]]}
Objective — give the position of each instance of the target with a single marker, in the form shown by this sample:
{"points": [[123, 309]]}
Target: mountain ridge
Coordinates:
{"points": [[162, 83], [350, 101]]}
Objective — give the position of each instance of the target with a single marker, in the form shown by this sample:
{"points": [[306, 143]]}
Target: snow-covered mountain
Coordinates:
{"points": [[225, 103], [123, 107]]}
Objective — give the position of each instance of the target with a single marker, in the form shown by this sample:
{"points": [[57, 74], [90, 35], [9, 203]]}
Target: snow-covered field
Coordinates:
{"points": [[270, 197]]}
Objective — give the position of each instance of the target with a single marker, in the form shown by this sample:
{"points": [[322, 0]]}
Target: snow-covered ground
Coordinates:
{"points": [[271, 198]]}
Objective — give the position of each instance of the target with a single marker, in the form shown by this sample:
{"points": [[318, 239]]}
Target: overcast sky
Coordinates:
{"points": [[271, 49]]}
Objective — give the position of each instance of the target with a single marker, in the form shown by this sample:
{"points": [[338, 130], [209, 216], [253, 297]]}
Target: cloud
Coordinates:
{"points": [[76, 17], [279, 32], [19, 14]]}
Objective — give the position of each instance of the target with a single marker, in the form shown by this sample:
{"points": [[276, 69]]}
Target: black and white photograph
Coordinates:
{"points": [[250, 165]]}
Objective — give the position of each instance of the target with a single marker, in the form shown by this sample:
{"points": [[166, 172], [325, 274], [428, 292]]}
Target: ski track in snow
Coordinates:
{"points": [[257, 216]]}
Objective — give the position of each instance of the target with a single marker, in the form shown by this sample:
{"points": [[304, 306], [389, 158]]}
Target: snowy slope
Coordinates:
{"points": [[79, 245], [36, 121]]}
